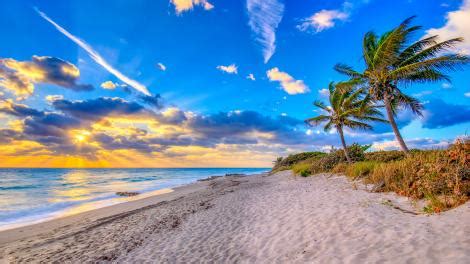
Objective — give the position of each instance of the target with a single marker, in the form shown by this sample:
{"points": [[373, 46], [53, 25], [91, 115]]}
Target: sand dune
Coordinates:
{"points": [[263, 219]]}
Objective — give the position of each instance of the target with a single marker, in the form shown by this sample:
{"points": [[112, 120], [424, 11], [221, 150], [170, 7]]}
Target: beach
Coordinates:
{"points": [[263, 218]]}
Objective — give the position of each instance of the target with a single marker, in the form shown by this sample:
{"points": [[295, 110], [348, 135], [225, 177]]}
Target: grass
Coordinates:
{"points": [[302, 169], [360, 169], [441, 177]]}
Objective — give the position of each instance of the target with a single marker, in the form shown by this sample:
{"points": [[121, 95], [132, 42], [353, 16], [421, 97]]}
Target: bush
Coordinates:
{"points": [[384, 156], [340, 168], [356, 152], [360, 169], [439, 176], [286, 163], [303, 169]]}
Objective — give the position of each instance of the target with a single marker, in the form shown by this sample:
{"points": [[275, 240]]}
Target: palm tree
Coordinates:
{"points": [[347, 108], [392, 62]]}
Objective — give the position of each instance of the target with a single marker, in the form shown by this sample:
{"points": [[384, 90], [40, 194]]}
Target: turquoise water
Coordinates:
{"points": [[33, 195]]}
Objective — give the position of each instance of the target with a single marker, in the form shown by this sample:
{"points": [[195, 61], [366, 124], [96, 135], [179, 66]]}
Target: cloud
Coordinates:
{"points": [[232, 68], [322, 20], [457, 25], [20, 76], [186, 5], [439, 114], [155, 100], [96, 109], [109, 85], [324, 92], [467, 94], [264, 17], [446, 85], [288, 83], [18, 110], [96, 56], [417, 143], [161, 66], [251, 77]]}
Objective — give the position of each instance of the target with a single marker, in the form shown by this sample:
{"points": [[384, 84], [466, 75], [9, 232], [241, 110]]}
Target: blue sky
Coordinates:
{"points": [[195, 60]]}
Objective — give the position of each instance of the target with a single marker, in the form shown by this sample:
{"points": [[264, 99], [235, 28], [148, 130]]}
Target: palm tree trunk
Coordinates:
{"points": [[391, 119], [340, 131]]}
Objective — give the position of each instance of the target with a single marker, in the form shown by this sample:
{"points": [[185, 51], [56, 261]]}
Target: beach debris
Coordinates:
{"points": [[209, 178], [235, 174], [127, 194]]}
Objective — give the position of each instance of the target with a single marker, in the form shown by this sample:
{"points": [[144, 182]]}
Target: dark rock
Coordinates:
{"points": [[127, 194]]}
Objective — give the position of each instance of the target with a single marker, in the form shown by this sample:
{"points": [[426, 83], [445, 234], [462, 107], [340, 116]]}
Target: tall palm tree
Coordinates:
{"points": [[347, 108], [391, 61]]}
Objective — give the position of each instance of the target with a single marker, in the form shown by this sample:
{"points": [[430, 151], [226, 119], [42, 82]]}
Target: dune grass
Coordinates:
{"points": [[441, 177]]}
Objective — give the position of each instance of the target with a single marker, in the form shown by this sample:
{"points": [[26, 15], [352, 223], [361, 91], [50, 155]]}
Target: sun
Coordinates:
{"points": [[80, 136]]}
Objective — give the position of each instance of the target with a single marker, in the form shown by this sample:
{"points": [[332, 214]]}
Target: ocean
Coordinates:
{"points": [[29, 196]]}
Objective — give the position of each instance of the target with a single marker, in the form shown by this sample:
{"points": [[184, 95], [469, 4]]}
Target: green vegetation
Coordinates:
{"points": [[392, 62], [442, 177], [348, 108], [286, 163], [393, 59]]}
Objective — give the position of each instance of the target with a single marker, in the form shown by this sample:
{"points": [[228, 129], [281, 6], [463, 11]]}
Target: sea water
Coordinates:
{"points": [[33, 195]]}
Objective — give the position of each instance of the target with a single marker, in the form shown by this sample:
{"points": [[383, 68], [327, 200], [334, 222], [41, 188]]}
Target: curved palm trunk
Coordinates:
{"points": [[391, 119], [340, 131]]}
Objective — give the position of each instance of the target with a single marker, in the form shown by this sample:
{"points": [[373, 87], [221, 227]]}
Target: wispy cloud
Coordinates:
{"points": [[288, 83], [457, 25], [161, 66], [232, 68], [96, 56], [264, 18], [251, 77], [186, 5], [322, 20]]}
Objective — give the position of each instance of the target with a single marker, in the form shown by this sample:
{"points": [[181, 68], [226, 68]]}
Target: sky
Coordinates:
{"points": [[202, 83]]}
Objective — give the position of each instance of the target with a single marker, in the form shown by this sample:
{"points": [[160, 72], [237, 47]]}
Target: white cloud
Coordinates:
{"points": [[52, 98], [467, 94], [283, 114], [416, 143], [109, 85], [288, 83], [96, 56], [186, 5], [232, 68], [161, 66], [457, 25], [324, 92], [322, 20], [446, 85], [264, 17], [251, 77]]}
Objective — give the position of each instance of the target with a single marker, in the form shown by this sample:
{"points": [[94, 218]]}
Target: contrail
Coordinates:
{"points": [[96, 56]]}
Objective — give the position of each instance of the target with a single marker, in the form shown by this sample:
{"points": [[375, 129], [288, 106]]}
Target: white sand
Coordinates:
{"points": [[278, 218]]}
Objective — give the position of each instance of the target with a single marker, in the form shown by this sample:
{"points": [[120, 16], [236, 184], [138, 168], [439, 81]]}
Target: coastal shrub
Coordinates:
{"points": [[302, 169], [357, 152], [384, 156], [360, 169], [340, 167], [286, 163], [442, 177]]}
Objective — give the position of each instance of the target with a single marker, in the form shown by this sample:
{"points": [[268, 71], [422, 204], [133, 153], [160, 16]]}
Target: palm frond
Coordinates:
{"points": [[431, 51], [321, 105], [347, 70], [315, 121]]}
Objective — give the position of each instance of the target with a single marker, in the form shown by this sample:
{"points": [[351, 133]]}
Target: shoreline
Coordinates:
{"points": [[131, 203], [259, 218], [109, 199]]}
